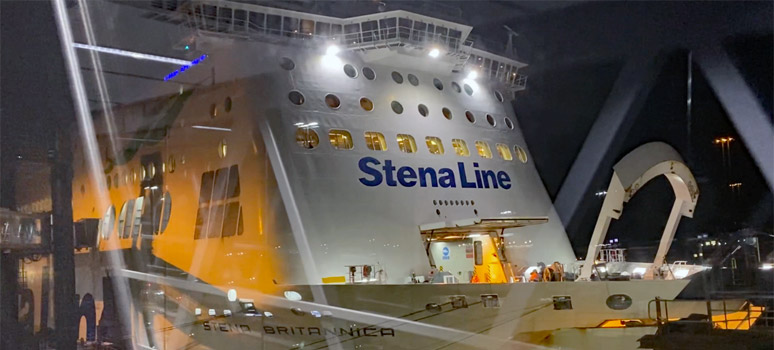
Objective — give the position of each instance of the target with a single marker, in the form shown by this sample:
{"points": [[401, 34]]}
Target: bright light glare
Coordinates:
{"points": [[767, 266], [331, 62], [332, 50], [639, 271], [292, 295], [681, 273], [132, 54], [472, 75], [434, 53]]}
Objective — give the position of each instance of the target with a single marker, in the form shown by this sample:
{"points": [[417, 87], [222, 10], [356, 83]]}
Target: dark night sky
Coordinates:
{"points": [[575, 51]]}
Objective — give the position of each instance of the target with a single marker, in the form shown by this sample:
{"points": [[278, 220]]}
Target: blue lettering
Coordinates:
{"points": [[423, 172], [388, 170], [407, 176], [463, 177], [447, 178], [376, 174], [486, 174], [504, 180]]}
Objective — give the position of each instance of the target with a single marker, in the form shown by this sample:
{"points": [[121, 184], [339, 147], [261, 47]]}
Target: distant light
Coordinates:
{"points": [[601, 193], [475, 235], [472, 75], [197, 311], [332, 50], [268, 314], [292, 295], [226, 312], [232, 295], [186, 47], [211, 312], [434, 53], [701, 254], [767, 266], [616, 240], [695, 255], [639, 271], [316, 314], [714, 242], [681, 273]]}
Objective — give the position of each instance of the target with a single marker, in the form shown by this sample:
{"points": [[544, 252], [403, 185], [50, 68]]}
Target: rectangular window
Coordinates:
{"points": [[220, 214], [406, 143], [137, 216], [434, 145], [255, 22], [460, 147], [375, 141], [340, 139], [504, 151], [483, 149]]}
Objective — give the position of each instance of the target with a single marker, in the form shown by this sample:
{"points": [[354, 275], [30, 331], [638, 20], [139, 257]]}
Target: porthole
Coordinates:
{"points": [[151, 170], [435, 202], [367, 104], [406, 143], [508, 123], [369, 73], [455, 87], [307, 138], [213, 110], [498, 96], [134, 175], [460, 147], [471, 118], [332, 101], [413, 79], [434, 145], [222, 149], [396, 107], [227, 104], [143, 173], [520, 153], [350, 71], [504, 151], [438, 84], [468, 90], [375, 141], [423, 110], [491, 120], [287, 63], [483, 149], [619, 301], [296, 97], [340, 139], [106, 226], [397, 77], [166, 210], [446, 113], [171, 164]]}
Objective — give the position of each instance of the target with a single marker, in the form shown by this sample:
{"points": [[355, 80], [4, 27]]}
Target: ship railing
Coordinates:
{"points": [[612, 255], [719, 315]]}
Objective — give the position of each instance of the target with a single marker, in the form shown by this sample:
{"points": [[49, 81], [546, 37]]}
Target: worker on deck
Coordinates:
{"points": [[533, 276]]}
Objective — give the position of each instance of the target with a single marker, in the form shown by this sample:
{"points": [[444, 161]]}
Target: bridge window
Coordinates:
{"points": [[106, 226], [369, 73], [456, 87], [483, 149], [423, 110], [332, 101], [340, 139], [434, 145], [460, 147], [166, 209], [471, 118], [219, 213], [446, 113], [367, 104], [350, 71], [375, 141], [520, 153], [307, 138], [504, 151], [406, 143], [397, 77], [396, 107]]}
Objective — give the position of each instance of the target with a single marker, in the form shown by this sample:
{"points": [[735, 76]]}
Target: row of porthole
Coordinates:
{"points": [[145, 173], [453, 202], [350, 71], [227, 105], [334, 102], [342, 140]]}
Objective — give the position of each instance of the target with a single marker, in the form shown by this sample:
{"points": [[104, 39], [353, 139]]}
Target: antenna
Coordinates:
{"points": [[509, 49]]}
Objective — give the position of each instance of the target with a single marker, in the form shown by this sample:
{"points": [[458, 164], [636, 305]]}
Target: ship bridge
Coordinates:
{"points": [[386, 35]]}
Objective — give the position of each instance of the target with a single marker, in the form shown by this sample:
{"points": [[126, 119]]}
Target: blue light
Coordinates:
{"points": [[186, 47], [185, 67]]}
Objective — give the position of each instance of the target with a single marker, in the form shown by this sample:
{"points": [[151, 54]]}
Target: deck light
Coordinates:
{"points": [[434, 53]]}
